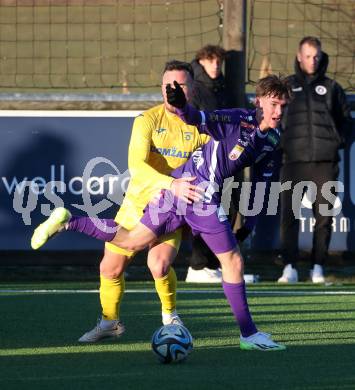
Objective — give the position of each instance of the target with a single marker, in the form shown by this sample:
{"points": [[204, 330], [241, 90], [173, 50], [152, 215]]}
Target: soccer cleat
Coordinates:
{"points": [[98, 333], [260, 341], [316, 274], [289, 275], [54, 224], [205, 275]]}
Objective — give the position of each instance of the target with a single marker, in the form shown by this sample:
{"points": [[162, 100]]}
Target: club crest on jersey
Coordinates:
{"points": [[236, 152], [321, 89]]}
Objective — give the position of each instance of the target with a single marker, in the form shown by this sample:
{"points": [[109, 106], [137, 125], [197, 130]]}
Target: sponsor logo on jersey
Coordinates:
{"points": [[225, 118], [171, 152], [236, 152], [160, 130], [321, 90]]}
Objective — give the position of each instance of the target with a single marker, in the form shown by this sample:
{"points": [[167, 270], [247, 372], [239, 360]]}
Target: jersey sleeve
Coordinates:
{"points": [[138, 155], [219, 124]]}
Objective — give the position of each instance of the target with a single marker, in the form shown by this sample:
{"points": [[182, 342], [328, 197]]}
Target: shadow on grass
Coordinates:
{"points": [[225, 366], [35, 321]]}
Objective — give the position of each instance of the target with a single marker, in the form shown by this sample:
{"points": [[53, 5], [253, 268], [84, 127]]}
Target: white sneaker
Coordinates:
{"points": [[316, 274], [289, 275], [172, 319], [205, 275], [98, 333], [261, 341]]}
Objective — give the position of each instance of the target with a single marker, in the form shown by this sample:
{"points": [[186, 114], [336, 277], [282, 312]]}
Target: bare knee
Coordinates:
{"points": [[113, 265], [238, 262], [160, 257], [159, 264]]}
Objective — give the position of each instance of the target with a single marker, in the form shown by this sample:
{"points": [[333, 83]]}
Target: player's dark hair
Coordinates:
{"points": [[210, 52], [311, 41], [179, 65], [272, 85]]}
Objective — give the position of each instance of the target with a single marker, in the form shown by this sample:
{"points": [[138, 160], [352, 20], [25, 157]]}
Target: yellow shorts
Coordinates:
{"points": [[128, 217]]}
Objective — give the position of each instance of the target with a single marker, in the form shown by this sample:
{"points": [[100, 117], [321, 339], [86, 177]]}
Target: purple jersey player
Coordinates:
{"points": [[240, 138], [237, 142]]}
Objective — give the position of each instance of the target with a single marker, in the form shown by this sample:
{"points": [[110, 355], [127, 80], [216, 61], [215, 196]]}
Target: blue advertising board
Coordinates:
{"points": [[79, 159], [42, 147]]}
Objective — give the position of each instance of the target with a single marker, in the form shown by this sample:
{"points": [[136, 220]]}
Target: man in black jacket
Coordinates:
{"points": [[313, 131], [210, 91]]}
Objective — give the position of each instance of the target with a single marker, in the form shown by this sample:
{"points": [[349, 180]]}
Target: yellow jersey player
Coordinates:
{"points": [[160, 142]]}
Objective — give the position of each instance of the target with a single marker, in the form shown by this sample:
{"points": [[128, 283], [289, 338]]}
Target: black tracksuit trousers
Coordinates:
{"points": [[319, 173]]}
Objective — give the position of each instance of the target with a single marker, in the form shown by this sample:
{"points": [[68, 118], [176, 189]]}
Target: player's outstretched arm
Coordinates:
{"points": [[218, 124]]}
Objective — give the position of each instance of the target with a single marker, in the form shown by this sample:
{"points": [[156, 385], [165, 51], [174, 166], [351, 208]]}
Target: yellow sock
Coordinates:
{"points": [[111, 293], [166, 289]]}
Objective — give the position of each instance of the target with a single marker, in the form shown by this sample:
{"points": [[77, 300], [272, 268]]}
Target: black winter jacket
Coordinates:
{"points": [[209, 94], [317, 118]]}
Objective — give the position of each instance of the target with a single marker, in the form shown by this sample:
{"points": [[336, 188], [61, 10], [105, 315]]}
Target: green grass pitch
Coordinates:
{"points": [[38, 333]]}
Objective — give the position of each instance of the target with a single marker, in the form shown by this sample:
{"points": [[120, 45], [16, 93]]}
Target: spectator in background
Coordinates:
{"points": [[210, 93], [313, 131]]}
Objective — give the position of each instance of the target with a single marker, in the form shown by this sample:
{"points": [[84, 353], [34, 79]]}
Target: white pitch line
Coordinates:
{"points": [[152, 291]]}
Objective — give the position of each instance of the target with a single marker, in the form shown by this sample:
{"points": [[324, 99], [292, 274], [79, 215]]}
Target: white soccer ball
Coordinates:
{"points": [[172, 343]]}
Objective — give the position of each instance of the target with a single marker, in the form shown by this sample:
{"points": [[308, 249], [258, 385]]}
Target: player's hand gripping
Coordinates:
{"points": [[183, 189], [175, 96]]}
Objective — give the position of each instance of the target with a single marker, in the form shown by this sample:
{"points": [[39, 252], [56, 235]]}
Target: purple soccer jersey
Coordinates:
{"points": [[237, 142]]}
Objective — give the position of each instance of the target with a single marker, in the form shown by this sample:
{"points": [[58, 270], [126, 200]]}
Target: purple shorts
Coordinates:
{"points": [[169, 213]]}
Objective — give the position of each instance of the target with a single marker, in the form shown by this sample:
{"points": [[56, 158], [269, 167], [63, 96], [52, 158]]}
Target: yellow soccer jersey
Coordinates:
{"points": [[160, 142]]}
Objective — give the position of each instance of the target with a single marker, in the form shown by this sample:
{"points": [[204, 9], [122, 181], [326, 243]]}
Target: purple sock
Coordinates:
{"points": [[236, 296], [101, 229]]}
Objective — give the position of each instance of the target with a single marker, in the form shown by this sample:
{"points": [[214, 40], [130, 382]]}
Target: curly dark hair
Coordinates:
{"points": [[210, 52]]}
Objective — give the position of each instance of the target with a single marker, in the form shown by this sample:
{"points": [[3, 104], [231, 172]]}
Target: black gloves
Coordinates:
{"points": [[175, 96], [242, 234]]}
